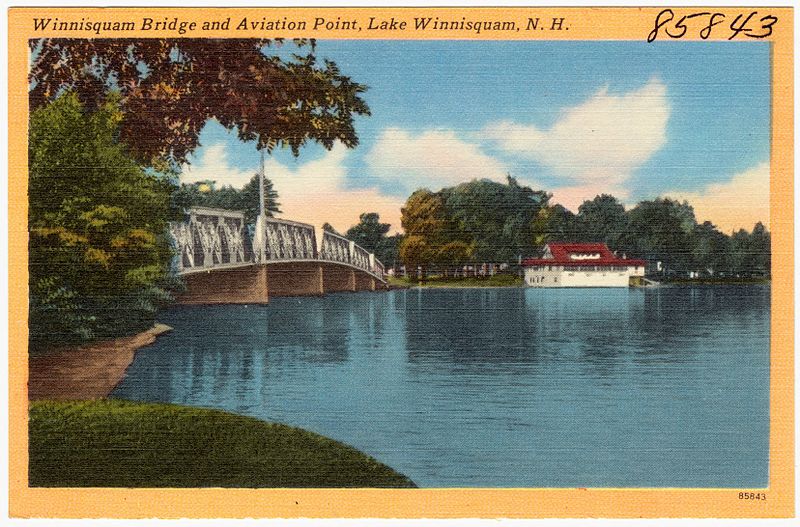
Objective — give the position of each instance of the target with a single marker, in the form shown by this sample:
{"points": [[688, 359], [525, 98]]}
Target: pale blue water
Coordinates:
{"points": [[665, 387]]}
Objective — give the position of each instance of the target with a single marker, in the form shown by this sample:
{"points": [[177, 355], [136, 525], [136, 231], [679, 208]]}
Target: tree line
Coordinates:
{"points": [[485, 221]]}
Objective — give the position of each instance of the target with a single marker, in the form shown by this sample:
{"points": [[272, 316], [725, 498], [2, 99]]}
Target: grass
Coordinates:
{"points": [[114, 443], [498, 280]]}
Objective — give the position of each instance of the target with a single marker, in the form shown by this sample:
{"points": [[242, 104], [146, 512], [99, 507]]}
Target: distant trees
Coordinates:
{"points": [[486, 221], [494, 219], [479, 221], [99, 252], [327, 227], [205, 194], [751, 252], [371, 234]]}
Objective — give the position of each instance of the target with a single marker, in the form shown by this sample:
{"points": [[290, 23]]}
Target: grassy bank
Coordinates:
{"points": [[112, 443], [498, 280]]}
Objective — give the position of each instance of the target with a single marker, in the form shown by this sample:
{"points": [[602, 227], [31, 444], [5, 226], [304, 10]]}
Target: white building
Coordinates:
{"points": [[580, 265]]}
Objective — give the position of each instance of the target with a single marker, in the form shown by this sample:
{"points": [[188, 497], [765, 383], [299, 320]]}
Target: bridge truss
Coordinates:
{"points": [[216, 238]]}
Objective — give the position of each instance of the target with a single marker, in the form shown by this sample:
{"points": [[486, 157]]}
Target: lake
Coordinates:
{"points": [[507, 387]]}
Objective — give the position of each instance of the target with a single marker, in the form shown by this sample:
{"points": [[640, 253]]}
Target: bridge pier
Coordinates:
{"points": [[338, 279], [296, 279], [242, 285], [364, 282]]}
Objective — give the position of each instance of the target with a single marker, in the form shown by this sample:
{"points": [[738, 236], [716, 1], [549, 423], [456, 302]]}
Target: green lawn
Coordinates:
{"points": [[498, 280], [113, 443]]}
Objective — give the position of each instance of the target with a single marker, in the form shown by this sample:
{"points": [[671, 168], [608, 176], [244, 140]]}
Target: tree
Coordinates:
{"points": [[168, 88], [556, 223], [98, 248], [751, 252], [495, 219], [388, 250], [761, 249], [327, 227], [424, 221], [205, 194], [369, 232], [661, 231], [710, 248], [603, 219], [453, 254]]}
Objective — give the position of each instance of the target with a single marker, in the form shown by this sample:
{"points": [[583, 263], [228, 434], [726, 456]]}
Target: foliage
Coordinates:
{"points": [[371, 234], [205, 194], [494, 219], [479, 221], [369, 231], [168, 89], [98, 248], [603, 219], [114, 443], [426, 226], [485, 221], [327, 227]]}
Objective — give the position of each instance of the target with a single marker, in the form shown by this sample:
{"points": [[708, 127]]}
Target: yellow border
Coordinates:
{"points": [[584, 24]]}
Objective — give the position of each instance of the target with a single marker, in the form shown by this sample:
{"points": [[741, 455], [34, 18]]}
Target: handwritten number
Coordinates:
{"points": [[660, 23], [666, 22], [767, 23], [740, 27], [715, 19]]}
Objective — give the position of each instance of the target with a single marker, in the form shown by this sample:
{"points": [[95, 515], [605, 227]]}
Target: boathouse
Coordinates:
{"points": [[565, 264]]}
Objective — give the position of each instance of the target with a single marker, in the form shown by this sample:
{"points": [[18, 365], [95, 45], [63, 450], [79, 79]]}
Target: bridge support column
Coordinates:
{"points": [[364, 282], [338, 279], [242, 285], [295, 279]]}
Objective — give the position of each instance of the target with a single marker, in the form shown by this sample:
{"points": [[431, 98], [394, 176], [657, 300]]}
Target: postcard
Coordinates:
{"points": [[401, 262]]}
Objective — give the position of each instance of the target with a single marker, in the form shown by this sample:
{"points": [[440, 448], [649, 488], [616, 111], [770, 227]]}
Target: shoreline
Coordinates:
{"points": [[86, 371]]}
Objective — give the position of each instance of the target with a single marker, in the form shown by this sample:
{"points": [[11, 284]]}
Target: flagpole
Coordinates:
{"points": [[261, 177]]}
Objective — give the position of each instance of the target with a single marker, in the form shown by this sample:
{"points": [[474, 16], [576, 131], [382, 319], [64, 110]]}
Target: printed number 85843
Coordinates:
{"points": [[752, 496]]}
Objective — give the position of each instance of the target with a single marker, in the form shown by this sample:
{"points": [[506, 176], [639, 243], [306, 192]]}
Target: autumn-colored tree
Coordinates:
{"points": [[169, 88], [424, 221]]}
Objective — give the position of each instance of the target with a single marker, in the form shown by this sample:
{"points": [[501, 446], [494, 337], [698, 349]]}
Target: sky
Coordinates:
{"points": [[687, 120]]}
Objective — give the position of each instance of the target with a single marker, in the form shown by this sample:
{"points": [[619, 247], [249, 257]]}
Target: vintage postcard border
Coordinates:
{"points": [[597, 24]]}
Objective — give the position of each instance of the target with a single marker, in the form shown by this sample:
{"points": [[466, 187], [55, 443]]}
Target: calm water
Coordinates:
{"points": [[494, 387]]}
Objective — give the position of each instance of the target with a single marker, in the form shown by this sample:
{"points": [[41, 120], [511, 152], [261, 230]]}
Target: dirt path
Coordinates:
{"points": [[85, 372]]}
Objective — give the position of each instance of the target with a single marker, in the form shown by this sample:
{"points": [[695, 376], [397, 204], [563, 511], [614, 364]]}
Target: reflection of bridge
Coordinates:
{"points": [[222, 263]]}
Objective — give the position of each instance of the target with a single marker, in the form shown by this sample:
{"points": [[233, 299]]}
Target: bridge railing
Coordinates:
{"points": [[289, 240], [378, 269], [361, 258], [211, 238], [335, 248]]}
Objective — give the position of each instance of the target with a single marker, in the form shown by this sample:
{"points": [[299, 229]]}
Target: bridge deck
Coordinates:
{"points": [[240, 265]]}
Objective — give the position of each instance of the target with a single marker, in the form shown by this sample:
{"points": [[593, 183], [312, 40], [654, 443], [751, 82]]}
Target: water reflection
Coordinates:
{"points": [[494, 387]]}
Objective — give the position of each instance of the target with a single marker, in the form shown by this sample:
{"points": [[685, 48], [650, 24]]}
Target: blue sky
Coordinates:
{"points": [[637, 120]]}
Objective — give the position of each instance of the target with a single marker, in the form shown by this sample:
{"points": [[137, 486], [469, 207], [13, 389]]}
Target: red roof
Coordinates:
{"points": [[562, 255]]}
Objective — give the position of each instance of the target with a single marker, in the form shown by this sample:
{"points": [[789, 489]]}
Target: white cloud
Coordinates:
{"points": [[740, 202], [598, 144], [315, 193], [433, 159], [214, 165]]}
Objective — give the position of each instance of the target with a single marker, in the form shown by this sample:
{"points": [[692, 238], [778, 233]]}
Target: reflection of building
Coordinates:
{"points": [[580, 265]]}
